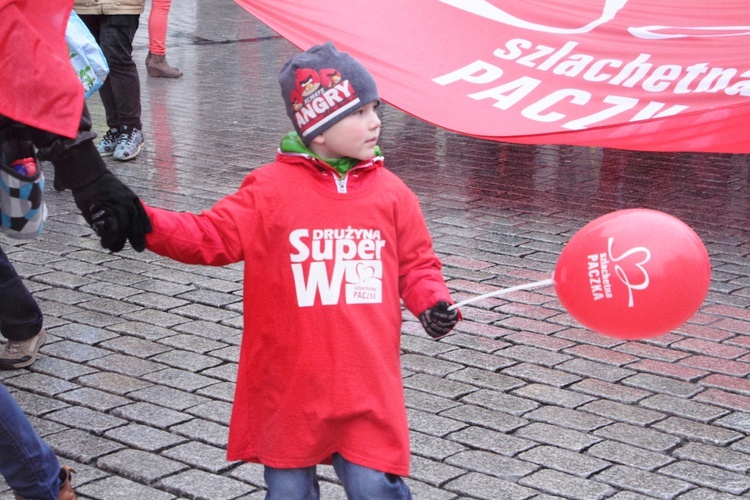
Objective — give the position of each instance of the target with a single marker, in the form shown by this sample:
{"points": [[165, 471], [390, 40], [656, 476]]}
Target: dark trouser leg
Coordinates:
{"points": [[20, 316], [121, 91]]}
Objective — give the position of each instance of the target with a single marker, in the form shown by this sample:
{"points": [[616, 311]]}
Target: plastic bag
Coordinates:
{"points": [[22, 207], [86, 56]]}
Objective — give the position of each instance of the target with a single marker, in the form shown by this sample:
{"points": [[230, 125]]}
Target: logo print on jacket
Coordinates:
{"points": [[320, 96], [354, 257]]}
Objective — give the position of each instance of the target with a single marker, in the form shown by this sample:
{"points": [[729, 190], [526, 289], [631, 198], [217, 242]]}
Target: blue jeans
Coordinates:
{"points": [[360, 483], [20, 316], [28, 465], [121, 91]]}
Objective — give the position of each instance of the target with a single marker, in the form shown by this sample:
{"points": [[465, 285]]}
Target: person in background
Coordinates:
{"points": [[156, 60], [114, 24]]}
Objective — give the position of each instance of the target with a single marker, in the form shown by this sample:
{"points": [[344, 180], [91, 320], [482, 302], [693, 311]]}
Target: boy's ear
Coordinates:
{"points": [[318, 139]]}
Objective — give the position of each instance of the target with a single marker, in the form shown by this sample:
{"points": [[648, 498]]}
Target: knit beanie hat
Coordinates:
{"points": [[321, 86]]}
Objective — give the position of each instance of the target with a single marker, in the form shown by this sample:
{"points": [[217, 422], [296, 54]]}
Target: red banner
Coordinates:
{"points": [[672, 75]]}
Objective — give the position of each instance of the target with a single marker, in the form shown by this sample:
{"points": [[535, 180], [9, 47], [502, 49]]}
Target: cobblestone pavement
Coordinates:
{"points": [[134, 387]]}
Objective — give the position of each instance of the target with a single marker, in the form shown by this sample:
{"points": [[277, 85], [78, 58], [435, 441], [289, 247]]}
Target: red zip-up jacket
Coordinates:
{"points": [[327, 261]]}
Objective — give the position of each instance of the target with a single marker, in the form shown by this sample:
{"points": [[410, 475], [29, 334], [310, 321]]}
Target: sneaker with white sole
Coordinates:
{"points": [[21, 353], [107, 145], [129, 143]]}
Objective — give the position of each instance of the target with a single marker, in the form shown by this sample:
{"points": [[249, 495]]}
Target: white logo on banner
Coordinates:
{"points": [[487, 10]]}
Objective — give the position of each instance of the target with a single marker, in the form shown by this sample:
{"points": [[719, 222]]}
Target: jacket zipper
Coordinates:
{"points": [[341, 183]]}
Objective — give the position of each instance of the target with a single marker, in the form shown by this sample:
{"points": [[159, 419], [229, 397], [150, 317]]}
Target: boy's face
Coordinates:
{"points": [[354, 136]]}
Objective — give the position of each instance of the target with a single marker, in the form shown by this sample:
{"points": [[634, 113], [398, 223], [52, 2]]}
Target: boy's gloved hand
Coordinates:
{"points": [[114, 212], [438, 320]]}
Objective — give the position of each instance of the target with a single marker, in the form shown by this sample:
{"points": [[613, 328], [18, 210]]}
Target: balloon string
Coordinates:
{"points": [[528, 286]]}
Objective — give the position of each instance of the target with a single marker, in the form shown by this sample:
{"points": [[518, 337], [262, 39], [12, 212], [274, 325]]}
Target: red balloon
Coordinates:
{"points": [[633, 274]]}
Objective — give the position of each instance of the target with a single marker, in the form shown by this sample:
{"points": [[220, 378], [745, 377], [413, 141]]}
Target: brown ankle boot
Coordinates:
{"points": [[158, 67], [66, 487]]}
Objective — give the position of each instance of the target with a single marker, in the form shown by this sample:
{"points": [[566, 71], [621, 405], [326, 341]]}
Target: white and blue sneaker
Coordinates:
{"points": [[129, 143], [107, 145]]}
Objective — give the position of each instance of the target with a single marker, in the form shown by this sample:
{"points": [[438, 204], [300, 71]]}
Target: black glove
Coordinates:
{"points": [[96, 190], [438, 320], [114, 212]]}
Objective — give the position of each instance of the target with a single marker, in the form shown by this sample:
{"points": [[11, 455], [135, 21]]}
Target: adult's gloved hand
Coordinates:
{"points": [[80, 168], [114, 212], [438, 320]]}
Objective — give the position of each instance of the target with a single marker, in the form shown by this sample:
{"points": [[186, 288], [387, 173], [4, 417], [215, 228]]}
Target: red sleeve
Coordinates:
{"points": [[213, 237], [421, 282]]}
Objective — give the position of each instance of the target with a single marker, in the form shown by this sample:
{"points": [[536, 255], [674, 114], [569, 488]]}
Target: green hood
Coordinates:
{"points": [[291, 143]]}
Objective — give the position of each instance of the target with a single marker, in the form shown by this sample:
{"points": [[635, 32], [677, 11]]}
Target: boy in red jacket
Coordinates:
{"points": [[332, 242]]}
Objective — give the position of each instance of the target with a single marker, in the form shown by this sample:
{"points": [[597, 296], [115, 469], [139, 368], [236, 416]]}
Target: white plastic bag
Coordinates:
{"points": [[86, 56]]}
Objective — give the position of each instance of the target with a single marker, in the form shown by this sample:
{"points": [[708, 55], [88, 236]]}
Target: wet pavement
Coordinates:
{"points": [[134, 387]]}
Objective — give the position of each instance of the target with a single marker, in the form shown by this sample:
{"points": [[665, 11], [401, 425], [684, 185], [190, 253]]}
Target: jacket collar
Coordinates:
{"points": [[292, 145]]}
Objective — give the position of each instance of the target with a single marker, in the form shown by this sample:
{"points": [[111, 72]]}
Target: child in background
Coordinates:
{"points": [[332, 241], [156, 60]]}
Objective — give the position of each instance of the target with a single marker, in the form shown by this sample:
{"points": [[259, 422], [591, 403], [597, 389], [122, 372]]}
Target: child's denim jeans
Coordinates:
{"points": [[360, 483]]}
